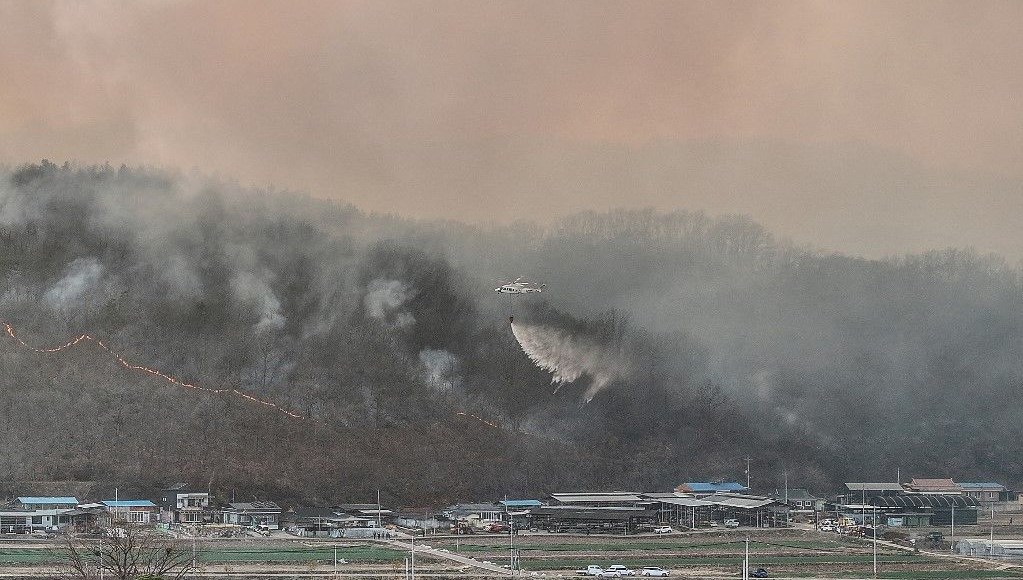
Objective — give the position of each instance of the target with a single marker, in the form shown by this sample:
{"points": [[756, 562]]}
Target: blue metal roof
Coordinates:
{"points": [[700, 487], [520, 503], [48, 500], [128, 503]]}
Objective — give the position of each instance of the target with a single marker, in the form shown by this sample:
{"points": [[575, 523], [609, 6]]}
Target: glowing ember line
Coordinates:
{"points": [[480, 419], [144, 369]]}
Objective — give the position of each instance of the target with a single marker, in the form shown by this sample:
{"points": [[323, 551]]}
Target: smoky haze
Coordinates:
{"points": [[873, 128], [696, 340]]}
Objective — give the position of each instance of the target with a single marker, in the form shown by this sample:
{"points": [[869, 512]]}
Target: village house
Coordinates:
{"points": [[132, 511], [253, 514]]}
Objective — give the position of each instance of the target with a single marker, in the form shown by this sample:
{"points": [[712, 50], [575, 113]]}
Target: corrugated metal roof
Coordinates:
{"points": [[685, 501], [740, 501], [46, 500], [713, 487], [128, 503], [883, 486], [596, 497]]}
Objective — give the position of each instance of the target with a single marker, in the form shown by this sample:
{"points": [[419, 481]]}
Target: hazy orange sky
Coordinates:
{"points": [[865, 127]]}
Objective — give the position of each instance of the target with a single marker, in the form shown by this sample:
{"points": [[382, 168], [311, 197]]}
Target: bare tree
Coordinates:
{"points": [[133, 553]]}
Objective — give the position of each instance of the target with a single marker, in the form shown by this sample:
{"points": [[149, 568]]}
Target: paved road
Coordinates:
{"points": [[463, 560]]}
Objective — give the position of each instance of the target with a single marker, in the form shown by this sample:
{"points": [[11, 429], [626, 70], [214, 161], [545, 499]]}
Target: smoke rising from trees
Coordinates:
{"points": [[697, 340]]}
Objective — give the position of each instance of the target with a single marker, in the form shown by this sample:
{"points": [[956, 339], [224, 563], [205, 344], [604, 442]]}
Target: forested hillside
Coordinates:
{"points": [[707, 339]]}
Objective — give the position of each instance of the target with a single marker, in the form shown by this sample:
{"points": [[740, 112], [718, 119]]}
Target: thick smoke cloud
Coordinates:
{"points": [[386, 333], [863, 127]]}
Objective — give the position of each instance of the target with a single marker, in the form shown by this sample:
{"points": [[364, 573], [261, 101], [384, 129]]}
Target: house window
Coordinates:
{"points": [[138, 517], [37, 520]]}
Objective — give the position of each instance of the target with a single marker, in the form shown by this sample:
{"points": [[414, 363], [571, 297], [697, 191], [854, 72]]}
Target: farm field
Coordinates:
{"points": [[783, 553]]}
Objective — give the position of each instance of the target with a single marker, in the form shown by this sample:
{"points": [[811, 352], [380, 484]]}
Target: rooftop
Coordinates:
{"points": [[520, 503], [883, 486], [255, 506], [925, 501], [48, 500], [593, 497], [740, 500], [933, 483], [129, 503], [989, 485], [711, 486]]}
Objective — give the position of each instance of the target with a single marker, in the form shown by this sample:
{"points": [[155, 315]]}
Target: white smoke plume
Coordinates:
{"points": [[251, 289], [568, 357], [80, 277], [440, 369], [384, 300]]}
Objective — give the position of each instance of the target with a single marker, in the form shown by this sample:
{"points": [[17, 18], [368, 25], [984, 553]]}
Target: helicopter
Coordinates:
{"points": [[520, 287]]}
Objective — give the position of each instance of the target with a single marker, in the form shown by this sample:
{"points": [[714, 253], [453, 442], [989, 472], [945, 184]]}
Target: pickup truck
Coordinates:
{"points": [[591, 570]]}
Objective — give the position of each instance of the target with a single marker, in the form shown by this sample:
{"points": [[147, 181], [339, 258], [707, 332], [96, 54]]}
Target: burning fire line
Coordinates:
{"points": [[480, 419], [169, 378]]}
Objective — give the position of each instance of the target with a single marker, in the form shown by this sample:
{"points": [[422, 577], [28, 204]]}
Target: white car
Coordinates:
{"points": [[653, 571], [731, 523], [663, 530], [622, 570], [609, 574]]}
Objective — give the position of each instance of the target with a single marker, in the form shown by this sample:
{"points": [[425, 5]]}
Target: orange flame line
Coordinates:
{"points": [[480, 419], [155, 372]]}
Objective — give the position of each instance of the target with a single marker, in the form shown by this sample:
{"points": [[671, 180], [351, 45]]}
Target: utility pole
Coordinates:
{"points": [[953, 527], [335, 561], [412, 560], [874, 527], [745, 562], [378, 508], [511, 543], [747, 473], [991, 542]]}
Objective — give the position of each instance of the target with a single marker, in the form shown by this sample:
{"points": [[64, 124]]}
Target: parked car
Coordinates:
{"points": [[663, 530], [591, 570], [731, 523], [653, 571], [759, 573], [609, 574], [622, 569]]}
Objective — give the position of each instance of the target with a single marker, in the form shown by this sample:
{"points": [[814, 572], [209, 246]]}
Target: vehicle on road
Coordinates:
{"points": [[622, 569], [731, 523], [663, 530], [758, 573], [591, 570], [654, 571], [609, 574]]}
